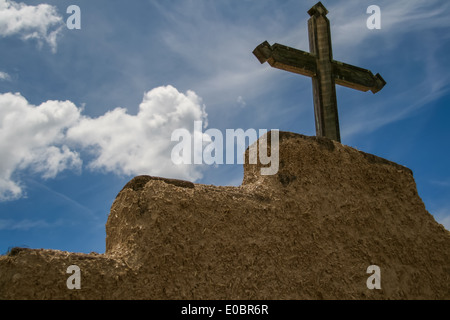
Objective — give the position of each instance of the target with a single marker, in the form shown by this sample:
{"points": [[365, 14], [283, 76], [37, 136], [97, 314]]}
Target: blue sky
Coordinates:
{"points": [[84, 111]]}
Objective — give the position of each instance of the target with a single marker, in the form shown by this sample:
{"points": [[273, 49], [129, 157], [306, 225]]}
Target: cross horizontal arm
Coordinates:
{"points": [[286, 58], [357, 78]]}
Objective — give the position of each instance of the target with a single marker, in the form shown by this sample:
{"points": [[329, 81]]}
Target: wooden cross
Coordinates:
{"points": [[324, 71]]}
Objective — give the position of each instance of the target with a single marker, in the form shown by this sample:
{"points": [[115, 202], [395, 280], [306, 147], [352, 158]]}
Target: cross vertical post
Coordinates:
{"points": [[324, 89]]}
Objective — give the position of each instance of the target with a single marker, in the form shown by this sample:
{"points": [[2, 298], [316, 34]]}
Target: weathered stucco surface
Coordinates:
{"points": [[308, 232]]}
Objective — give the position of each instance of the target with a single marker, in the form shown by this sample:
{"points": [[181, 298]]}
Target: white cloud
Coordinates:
{"points": [[4, 76], [141, 144], [33, 138], [41, 22], [44, 139]]}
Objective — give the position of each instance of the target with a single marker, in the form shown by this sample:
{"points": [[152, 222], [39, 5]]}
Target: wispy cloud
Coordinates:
{"points": [[411, 88], [398, 18], [241, 102], [445, 221], [4, 76], [440, 183], [374, 116], [41, 22], [26, 224], [219, 51], [442, 216], [79, 207]]}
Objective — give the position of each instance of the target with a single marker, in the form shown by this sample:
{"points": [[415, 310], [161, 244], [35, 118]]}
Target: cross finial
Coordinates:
{"points": [[318, 10]]}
